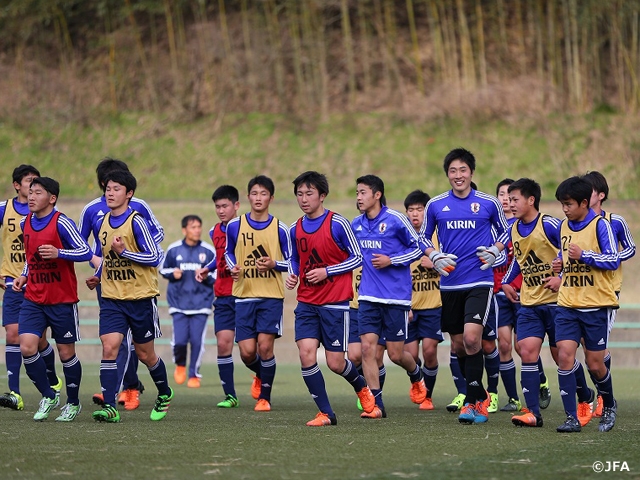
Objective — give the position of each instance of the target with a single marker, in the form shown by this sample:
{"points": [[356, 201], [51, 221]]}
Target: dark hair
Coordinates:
{"points": [[106, 166], [598, 183], [574, 188], [506, 181], [528, 188], [417, 197], [49, 184], [473, 185], [461, 154], [228, 192], [375, 183], [22, 171], [190, 218], [263, 181], [123, 177], [312, 179]]}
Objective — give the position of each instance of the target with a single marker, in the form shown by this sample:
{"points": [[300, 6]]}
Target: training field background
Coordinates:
{"points": [[197, 440]]}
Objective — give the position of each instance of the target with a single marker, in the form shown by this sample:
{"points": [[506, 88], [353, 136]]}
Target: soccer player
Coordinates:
{"points": [[627, 249], [426, 304], [51, 244], [12, 212], [323, 256], [226, 200], [189, 300], [586, 298], [258, 249], [129, 279], [90, 222], [389, 245], [466, 221], [535, 240]]}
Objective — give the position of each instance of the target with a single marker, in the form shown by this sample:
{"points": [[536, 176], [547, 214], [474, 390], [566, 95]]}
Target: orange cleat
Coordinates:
{"points": [[193, 382], [584, 410], [527, 420], [131, 398], [367, 400], [98, 398], [322, 420], [262, 405], [597, 412], [427, 404], [375, 413], [256, 388], [121, 398], [180, 374], [418, 391]]}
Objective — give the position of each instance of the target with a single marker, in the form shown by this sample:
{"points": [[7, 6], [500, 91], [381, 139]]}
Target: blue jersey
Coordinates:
{"points": [[186, 295], [609, 258], [622, 235], [93, 213], [391, 234], [463, 224]]}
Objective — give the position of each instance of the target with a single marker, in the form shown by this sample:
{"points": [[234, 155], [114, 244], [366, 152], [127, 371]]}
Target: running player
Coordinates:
{"points": [[466, 221], [51, 244], [586, 298], [226, 200], [324, 254], [389, 245], [129, 279], [258, 249], [426, 304]]}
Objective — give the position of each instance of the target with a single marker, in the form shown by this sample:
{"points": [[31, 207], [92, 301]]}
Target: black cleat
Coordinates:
{"points": [[570, 425], [544, 397], [608, 419]]}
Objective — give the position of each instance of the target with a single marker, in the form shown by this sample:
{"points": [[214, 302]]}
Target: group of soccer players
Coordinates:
{"points": [[382, 282]]}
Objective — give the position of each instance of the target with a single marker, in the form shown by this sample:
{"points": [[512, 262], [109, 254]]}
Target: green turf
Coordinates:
{"points": [[198, 440]]}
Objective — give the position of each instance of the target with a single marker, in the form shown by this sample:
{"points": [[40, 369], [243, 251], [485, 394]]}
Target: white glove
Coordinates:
{"points": [[487, 255], [444, 263]]}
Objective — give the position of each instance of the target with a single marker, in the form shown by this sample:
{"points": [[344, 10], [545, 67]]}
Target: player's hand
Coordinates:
{"points": [[18, 283], [201, 274], [487, 256], [95, 262], [177, 273], [264, 264], [426, 262], [510, 293], [3, 285], [380, 261], [291, 281], [235, 273], [410, 316], [48, 252], [552, 283], [316, 275], [575, 252], [117, 245], [556, 265], [92, 282], [444, 263]]}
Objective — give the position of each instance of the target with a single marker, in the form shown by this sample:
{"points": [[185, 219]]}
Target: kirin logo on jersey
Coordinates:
{"points": [[382, 227], [475, 207], [202, 257]]}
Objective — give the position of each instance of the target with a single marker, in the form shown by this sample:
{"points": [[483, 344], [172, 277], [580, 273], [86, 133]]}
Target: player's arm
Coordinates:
{"points": [[285, 248], [210, 278], [623, 235], [491, 256], [609, 258], [149, 254], [443, 263], [410, 240], [75, 248], [167, 270], [294, 260], [3, 209], [157, 232], [233, 228], [346, 240]]}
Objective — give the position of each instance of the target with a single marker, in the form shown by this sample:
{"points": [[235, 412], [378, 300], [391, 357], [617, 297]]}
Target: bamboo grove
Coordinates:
{"points": [[313, 58]]}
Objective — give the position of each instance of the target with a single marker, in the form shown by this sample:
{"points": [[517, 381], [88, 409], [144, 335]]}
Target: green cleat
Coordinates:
{"points": [[69, 412], [159, 410], [359, 405], [457, 403], [493, 403], [12, 400], [229, 402], [46, 405], [57, 387], [107, 414], [545, 395], [512, 406]]}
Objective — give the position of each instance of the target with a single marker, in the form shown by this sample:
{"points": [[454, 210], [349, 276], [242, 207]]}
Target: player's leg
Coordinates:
{"points": [[11, 303], [506, 325], [49, 357], [179, 341], [568, 334], [247, 339], [491, 355], [269, 314], [370, 329], [429, 330], [224, 327], [197, 335]]}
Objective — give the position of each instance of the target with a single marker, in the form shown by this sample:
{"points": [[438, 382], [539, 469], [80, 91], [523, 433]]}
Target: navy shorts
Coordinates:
{"points": [[11, 304], [329, 324], [388, 321], [62, 318], [425, 324], [460, 307], [354, 332], [490, 330], [224, 315], [141, 316], [593, 326], [263, 315], [507, 311], [537, 321]]}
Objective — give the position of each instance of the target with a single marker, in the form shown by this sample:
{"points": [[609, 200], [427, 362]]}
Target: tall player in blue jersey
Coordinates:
{"points": [[389, 245], [258, 249], [90, 222], [466, 221]]}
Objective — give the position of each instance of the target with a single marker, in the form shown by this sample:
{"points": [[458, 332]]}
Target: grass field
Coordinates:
{"points": [[197, 440]]}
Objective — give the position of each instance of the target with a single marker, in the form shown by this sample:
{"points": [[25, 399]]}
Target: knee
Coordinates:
{"points": [[28, 350], [472, 344], [336, 364], [504, 345], [355, 358]]}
